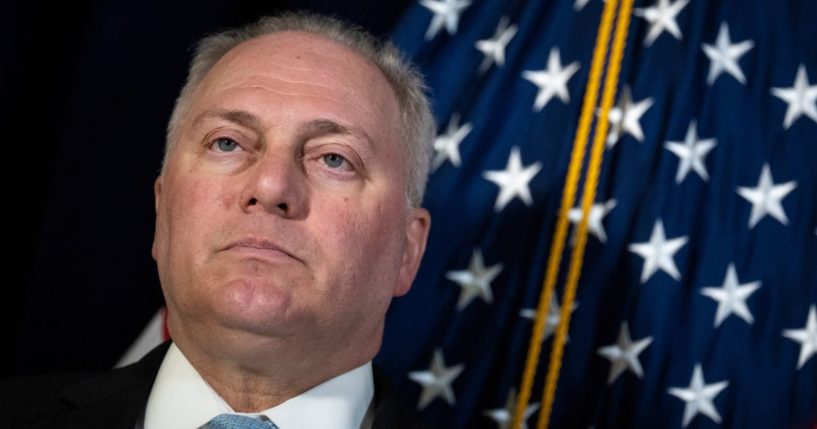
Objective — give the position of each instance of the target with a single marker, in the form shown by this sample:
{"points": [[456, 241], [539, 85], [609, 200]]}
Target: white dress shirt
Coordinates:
{"points": [[181, 399]]}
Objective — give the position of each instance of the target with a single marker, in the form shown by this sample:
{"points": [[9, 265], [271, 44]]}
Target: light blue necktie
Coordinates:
{"points": [[235, 421]]}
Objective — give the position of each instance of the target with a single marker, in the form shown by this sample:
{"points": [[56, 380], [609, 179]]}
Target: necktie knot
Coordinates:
{"points": [[236, 421]]}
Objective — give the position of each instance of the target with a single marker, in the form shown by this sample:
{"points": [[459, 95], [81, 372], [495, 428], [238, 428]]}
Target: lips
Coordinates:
{"points": [[259, 247]]}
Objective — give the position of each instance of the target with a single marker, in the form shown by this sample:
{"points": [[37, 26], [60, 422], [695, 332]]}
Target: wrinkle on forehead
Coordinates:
{"points": [[299, 52], [307, 66]]}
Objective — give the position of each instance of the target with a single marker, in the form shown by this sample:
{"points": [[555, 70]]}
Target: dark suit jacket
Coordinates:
{"points": [[117, 399]]}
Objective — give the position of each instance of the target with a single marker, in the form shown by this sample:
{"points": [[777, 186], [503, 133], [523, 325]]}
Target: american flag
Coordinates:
{"points": [[697, 303]]}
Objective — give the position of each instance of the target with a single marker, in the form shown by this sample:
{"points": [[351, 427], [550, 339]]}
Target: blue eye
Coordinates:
{"points": [[226, 144], [333, 160]]}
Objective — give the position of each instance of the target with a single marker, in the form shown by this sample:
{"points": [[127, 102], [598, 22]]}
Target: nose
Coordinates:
{"points": [[276, 184]]}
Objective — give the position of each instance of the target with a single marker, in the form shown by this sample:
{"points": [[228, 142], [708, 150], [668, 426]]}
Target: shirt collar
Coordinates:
{"points": [[180, 398]]}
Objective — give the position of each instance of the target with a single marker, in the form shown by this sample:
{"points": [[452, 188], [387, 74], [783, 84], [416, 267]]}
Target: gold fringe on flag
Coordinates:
{"points": [[568, 199]]}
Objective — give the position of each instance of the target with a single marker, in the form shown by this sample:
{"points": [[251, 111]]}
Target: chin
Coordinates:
{"points": [[254, 305]]}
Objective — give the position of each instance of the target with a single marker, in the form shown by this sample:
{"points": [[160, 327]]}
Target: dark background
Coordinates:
{"points": [[86, 94]]}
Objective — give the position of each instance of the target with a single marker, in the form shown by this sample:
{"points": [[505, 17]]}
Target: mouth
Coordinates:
{"points": [[260, 248]]}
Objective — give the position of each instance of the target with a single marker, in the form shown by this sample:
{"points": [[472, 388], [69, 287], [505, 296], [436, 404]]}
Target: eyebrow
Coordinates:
{"points": [[309, 130], [323, 127], [240, 117]]}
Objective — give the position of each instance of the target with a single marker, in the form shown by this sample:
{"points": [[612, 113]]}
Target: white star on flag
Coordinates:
{"points": [[578, 5], [624, 354], [662, 17], [514, 180], [494, 48], [475, 281], [698, 396], [767, 197], [437, 380], [801, 98], [626, 116], [502, 416], [691, 153], [447, 145], [807, 337], [597, 213], [553, 318], [732, 296], [551, 80], [658, 253], [725, 56], [446, 12]]}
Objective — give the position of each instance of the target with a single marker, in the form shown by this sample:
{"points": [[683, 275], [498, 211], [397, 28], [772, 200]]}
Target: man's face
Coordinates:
{"points": [[282, 209]]}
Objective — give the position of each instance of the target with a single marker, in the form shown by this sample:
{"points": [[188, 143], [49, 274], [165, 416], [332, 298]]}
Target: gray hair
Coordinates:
{"points": [[417, 123]]}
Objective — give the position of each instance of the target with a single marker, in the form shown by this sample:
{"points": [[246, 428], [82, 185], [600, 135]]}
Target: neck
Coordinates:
{"points": [[247, 391], [253, 379]]}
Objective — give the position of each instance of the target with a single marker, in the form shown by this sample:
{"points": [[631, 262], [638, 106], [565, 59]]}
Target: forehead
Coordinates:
{"points": [[306, 68], [297, 50]]}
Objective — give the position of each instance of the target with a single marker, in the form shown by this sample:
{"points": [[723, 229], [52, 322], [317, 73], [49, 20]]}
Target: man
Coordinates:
{"points": [[287, 217]]}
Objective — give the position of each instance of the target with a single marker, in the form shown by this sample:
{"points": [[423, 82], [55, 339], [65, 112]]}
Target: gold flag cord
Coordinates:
{"points": [[568, 199], [588, 196]]}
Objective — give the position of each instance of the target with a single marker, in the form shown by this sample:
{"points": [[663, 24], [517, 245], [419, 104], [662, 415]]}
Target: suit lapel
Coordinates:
{"points": [[389, 411], [115, 399]]}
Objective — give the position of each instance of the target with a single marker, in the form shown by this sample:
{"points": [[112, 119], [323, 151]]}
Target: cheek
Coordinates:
{"points": [[199, 193], [193, 214], [366, 244]]}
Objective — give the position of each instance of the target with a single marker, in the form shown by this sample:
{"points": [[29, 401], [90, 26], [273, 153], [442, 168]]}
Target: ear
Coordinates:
{"points": [[157, 194], [418, 223]]}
